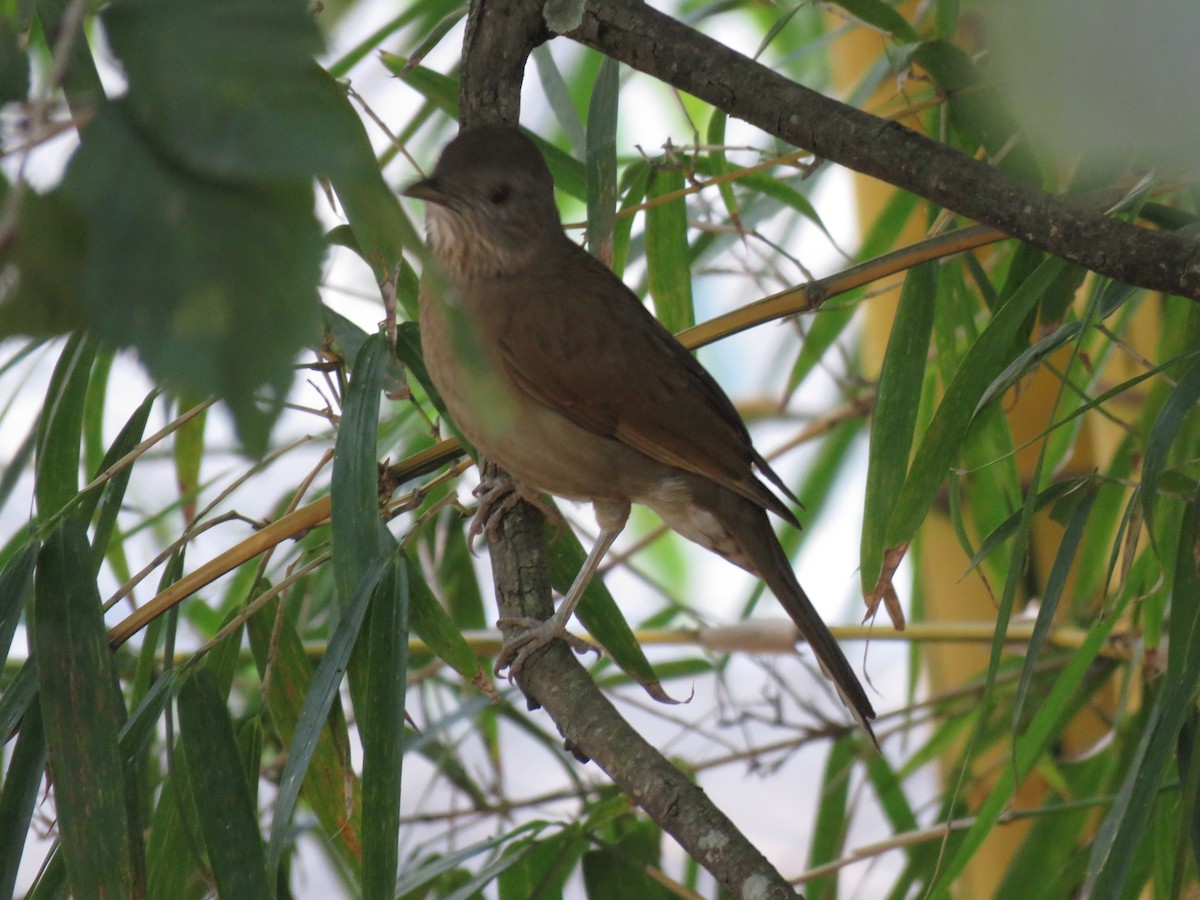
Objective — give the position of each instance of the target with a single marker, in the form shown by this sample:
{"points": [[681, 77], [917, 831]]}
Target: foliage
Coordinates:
{"points": [[248, 727]]}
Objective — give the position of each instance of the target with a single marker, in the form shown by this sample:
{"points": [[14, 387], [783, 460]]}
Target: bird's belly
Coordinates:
{"points": [[539, 447], [547, 452]]}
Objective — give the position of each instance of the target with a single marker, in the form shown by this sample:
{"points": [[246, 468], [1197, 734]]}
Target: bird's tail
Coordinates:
{"points": [[777, 573], [765, 557]]}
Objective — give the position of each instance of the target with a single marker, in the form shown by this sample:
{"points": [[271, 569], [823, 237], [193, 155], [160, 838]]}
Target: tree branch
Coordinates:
{"points": [[499, 38], [647, 40], [594, 730]]}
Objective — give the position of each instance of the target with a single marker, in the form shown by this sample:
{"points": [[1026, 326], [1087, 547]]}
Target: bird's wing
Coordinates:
{"points": [[596, 356]]}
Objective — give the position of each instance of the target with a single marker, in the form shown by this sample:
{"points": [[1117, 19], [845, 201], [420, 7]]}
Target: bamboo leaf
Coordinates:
{"points": [[330, 786], [1179, 405], [895, 419], [317, 703], [21, 782], [381, 721], [83, 711], [1055, 585], [668, 257], [225, 810], [1112, 853], [942, 439], [882, 16], [112, 494], [829, 829], [16, 580], [60, 427], [558, 94], [1059, 704], [602, 161], [354, 519]]}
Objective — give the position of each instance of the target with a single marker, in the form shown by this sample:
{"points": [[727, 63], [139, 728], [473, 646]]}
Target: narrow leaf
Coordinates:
{"points": [[1179, 404], [225, 810], [21, 783], [354, 518], [83, 712], [16, 580], [602, 161], [61, 424], [1126, 822], [381, 722], [895, 418], [330, 787], [943, 438], [668, 258], [1055, 585], [317, 703]]}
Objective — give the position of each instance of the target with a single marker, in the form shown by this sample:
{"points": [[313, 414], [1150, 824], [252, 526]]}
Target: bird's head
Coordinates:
{"points": [[490, 203]]}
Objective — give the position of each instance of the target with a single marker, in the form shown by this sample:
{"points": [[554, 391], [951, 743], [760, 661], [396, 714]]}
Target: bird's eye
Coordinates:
{"points": [[500, 194]]}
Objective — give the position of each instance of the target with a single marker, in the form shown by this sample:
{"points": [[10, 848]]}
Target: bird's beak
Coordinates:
{"points": [[430, 190]]}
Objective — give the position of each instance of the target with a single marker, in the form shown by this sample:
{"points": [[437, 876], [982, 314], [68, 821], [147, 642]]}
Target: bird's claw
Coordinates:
{"points": [[497, 496], [532, 636], [498, 493]]}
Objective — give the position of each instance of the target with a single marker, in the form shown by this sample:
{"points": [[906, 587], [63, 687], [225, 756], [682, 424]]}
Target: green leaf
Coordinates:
{"points": [[620, 869], [882, 16], [543, 867], [81, 80], [330, 786], [216, 269], [719, 165], [602, 161], [14, 64], [1029, 360], [317, 703], [381, 721], [225, 810], [943, 438], [1127, 819], [1051, 595], [111, 495], [82, 706], [16, 580], [234, 97], [60, 427], [558, 96], [829, 830], [439, 89], [47, 252], [354, 519], [433, 625], [19, 694], [977, 109], [1010, 525], [1178, 406], [1061, 702], [895, 419], [668, 257], [175, 866], [21, 782]]}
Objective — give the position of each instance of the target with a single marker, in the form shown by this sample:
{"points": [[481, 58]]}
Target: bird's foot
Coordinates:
{"points": [[498, 492], [497, 495], [532, 635]]}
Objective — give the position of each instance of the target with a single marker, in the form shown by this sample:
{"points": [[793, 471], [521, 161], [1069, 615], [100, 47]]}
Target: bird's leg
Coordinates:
{"points": [[537, 633]]}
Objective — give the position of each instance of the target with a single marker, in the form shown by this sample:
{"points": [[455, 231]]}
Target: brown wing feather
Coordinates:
{"points": [[640, 385]]}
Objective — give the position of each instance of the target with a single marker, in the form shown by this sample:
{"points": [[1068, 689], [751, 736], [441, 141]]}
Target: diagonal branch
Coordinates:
{"points": [[499, 38], [647, 40]]}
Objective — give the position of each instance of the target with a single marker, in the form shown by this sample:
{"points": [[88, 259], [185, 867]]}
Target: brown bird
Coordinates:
{"points": [[555, 370]]}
